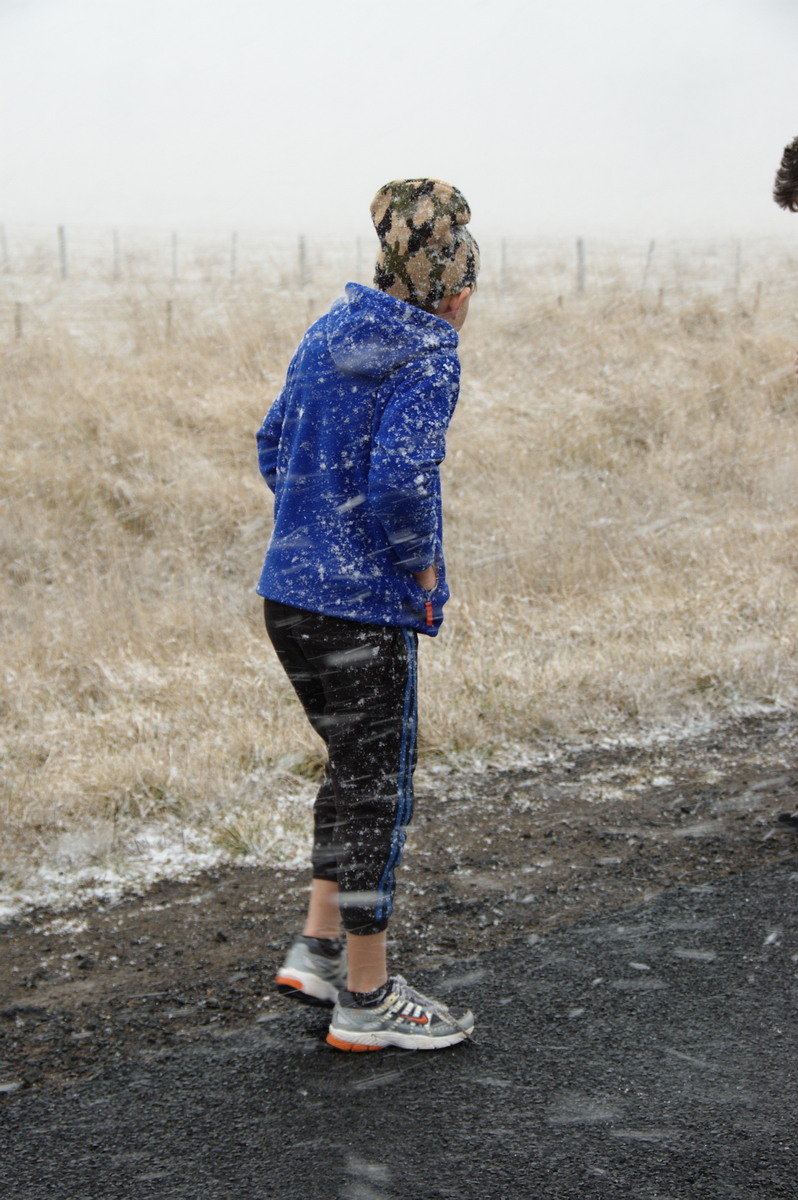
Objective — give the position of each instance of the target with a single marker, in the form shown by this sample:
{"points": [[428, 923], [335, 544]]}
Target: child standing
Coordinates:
{"points": [[354, 572]]}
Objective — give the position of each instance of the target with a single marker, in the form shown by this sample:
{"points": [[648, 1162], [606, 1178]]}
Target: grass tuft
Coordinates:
{"points": [[620, 524]]}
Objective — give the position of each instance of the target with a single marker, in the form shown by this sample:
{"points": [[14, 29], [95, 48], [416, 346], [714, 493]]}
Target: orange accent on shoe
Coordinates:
{"points": [[417, 1020], [428, 609], [339, 1045], [289, 981]]}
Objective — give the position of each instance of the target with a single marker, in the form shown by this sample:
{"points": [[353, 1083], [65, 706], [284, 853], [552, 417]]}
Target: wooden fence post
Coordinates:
{"points": [[303, 262], [62, 251], [647, 267], [580, 265], [18, 320], [169, 317]]}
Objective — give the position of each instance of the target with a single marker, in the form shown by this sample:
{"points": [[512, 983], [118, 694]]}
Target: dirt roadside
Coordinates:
{"points": [[493, 856]]}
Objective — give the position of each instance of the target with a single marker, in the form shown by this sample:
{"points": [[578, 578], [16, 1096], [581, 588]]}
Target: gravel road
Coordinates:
{"points": [[621, 920]]}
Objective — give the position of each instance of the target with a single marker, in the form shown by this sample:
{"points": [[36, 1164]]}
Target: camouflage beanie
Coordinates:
{"points": [[426, 252], [785, 188]]}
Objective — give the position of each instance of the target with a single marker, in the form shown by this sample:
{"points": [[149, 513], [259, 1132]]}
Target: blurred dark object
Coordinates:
{"points": [[785, 186]]}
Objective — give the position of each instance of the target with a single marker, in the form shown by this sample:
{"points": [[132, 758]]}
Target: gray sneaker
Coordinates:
{"points": [[311, 975], [403, 1018]]}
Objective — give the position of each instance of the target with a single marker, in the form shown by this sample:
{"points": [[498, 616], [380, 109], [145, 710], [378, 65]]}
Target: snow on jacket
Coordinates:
{"points": [[351, 448]]}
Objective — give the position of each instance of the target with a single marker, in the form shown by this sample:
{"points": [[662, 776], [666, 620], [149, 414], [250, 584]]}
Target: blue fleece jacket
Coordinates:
{"points": [[351, 449]]}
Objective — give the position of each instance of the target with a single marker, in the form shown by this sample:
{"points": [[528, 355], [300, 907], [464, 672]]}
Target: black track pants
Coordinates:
{"points": [[357, 685]]}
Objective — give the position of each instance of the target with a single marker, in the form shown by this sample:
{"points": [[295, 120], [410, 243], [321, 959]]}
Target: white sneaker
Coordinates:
{"points": [[310, 974], [403, 1018]]}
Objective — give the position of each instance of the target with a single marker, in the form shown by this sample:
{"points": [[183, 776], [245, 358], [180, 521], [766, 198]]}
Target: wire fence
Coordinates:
{"points": [[86, 277]]}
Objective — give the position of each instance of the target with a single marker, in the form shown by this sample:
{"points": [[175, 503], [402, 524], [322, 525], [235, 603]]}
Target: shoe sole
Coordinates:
{"points": [[309, 989], [347, 1039]]}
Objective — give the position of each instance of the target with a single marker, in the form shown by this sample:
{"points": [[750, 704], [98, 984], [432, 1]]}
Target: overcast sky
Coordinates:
{"points": [[580, 117]]}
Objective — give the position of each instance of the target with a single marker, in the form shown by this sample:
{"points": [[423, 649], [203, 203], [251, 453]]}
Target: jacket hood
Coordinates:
{"points": [[371, 333]]}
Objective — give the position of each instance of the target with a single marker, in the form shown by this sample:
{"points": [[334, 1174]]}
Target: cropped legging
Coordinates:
{"points": [[357, 685]]}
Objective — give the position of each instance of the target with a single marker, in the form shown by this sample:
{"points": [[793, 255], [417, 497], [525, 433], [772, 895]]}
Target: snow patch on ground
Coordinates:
{"points": [[62, 882], [99, 863]]}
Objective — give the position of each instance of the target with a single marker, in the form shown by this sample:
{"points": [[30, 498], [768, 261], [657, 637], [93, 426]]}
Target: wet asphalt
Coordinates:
{"points": [[649, 1054]]}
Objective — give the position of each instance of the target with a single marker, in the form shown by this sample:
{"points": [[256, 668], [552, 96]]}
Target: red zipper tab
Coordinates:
{"points": [[428, 610]]}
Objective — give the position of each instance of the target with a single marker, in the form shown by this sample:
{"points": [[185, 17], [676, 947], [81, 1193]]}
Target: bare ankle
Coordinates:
{"points": [[368, 968]]}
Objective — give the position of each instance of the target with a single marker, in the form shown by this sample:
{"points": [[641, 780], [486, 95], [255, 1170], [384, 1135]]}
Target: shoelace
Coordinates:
{"points": [[400, 987]]}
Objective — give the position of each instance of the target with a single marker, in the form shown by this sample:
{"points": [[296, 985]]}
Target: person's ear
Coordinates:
{"points": [[459, 300], [451, 304]]}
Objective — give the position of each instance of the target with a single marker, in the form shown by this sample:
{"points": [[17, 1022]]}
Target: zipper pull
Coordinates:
{"points": [[428, 610]]}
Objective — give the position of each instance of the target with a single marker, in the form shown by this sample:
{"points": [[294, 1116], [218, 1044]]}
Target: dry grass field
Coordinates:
{"points": [[621, 532]]}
